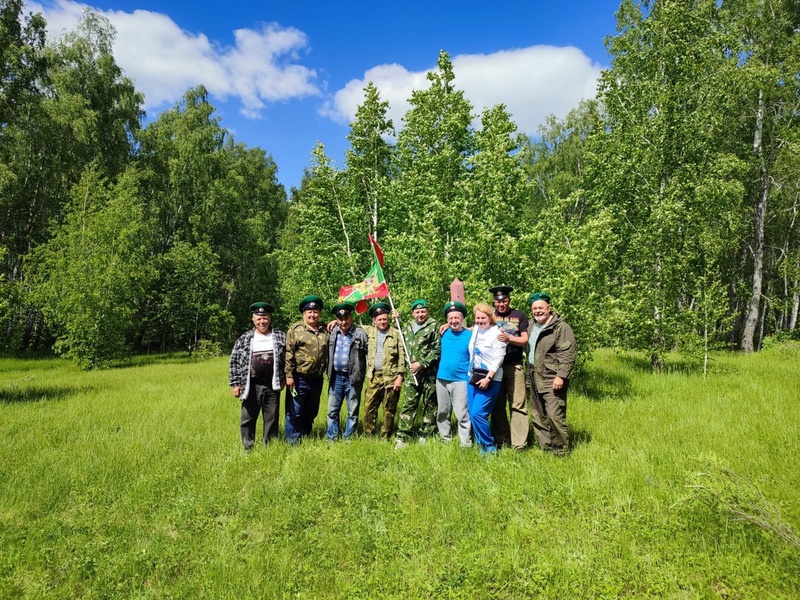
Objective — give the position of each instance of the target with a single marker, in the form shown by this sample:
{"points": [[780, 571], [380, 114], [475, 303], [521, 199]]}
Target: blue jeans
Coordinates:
{"points": [[302, 409], [339, 388], [480, 403]]}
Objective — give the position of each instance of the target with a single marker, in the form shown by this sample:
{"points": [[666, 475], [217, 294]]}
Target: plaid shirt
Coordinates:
{"points": [[242, 354]]}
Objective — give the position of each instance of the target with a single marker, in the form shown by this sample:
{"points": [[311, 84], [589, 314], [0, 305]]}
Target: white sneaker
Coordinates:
{"points": [[399, 444]]}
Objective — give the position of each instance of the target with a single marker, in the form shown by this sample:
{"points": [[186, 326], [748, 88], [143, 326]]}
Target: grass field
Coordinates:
{"points": [[131, 483]]}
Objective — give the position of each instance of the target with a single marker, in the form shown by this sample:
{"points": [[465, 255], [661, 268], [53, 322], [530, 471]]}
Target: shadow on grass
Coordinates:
{"points": [[39, 393], [598, 385], [579, 437], [669, 364], [166, 358]]}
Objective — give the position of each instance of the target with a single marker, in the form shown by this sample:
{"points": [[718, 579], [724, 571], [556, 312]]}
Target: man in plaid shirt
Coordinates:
{"points": [[256, 374]]}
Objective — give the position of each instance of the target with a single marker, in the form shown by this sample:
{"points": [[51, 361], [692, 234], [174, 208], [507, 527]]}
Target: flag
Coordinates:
{"points": [[376, 250], [373, 286]]}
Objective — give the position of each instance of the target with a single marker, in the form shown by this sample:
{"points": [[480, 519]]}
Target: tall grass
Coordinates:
{"points": [[131, 483]]}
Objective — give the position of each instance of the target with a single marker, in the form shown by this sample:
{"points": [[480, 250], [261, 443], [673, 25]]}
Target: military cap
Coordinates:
{"points": [[311, 302], [501, 292], [538, 296], [455, 305], [419, 304], [261, 308], [379, 308], [342, 309]]}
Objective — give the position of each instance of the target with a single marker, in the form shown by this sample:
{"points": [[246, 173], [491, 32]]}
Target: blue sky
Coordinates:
{"points": [[285, 75]]}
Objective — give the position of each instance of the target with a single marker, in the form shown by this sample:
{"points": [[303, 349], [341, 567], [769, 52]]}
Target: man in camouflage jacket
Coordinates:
{"points": [[306, 362], [424, 348]]}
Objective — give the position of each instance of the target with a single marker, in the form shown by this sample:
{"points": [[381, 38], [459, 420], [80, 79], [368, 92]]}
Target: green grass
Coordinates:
{"points": [[131, 483]]}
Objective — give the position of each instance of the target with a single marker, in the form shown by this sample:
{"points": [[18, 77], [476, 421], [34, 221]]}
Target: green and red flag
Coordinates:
{"points": [[373, 286]]}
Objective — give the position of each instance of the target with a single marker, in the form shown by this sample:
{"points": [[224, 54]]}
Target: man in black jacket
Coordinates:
{"points": [[347, 365]]}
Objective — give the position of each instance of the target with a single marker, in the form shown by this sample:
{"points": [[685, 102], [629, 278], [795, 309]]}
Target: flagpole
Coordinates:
{"points": [[402, 338]]}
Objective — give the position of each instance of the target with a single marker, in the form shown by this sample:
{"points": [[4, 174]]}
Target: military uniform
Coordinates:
{"points": [[424, 347], [306, 362], [554, 356], [380, 382]]}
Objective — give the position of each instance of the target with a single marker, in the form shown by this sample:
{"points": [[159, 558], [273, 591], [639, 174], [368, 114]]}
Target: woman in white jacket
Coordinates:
{"points": [[486, 355]]}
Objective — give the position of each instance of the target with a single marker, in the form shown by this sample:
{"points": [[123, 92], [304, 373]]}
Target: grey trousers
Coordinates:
{"points": [[452, 396]]}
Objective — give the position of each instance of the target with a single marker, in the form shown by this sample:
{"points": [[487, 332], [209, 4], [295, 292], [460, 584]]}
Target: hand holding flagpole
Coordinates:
{"points": [[374, 286], [402, 338]]}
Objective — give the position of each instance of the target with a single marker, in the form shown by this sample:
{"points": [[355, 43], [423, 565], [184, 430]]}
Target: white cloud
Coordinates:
{"points": [[532, 82], [165, 60]]}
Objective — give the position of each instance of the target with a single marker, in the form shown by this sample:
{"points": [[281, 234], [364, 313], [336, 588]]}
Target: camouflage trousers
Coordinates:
{"points": [[415, 395]]}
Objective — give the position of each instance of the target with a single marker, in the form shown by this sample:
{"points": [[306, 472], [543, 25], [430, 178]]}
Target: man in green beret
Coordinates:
{"points": [[256, 374], [551, 358], [424, 348], [514, 327], [385, 367], [453, 375], [347, 365], [306, 361]]}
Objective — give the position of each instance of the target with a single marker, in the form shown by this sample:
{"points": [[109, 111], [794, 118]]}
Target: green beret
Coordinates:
{"points": [[311, 303], [261, 308], [419, 304], [501, 292], [379, 308], [538, 296], [454, 305], [342, 309]]}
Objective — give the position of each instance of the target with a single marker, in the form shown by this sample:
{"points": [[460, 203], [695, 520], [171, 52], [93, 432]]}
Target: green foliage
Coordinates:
{"points": [[190, 294], [319, 246], [92, 274], [661, 216], [218, 209]]}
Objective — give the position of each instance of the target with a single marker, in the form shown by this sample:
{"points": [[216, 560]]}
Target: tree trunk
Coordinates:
{"points": [[751, 320], [26, 336]]}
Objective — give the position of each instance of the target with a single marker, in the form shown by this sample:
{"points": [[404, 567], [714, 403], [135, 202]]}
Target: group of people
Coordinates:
{"points": [[477, 373]]}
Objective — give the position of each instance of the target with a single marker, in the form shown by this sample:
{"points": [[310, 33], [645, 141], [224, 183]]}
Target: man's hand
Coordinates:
{"points": [[398, 383], [558, 383], [331, 325], [237, 391], [415, 368], [502, 337]]}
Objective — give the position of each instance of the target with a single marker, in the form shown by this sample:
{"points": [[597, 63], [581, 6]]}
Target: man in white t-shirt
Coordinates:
{"points": [[256, 374]]}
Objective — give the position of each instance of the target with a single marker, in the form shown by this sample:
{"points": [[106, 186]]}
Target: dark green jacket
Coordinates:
{"points": [[555, 352]]}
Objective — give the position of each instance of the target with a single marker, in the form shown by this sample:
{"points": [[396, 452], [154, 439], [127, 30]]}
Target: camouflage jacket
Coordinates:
{"points": [[394, 356], [424, 347], [306, 351]]}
